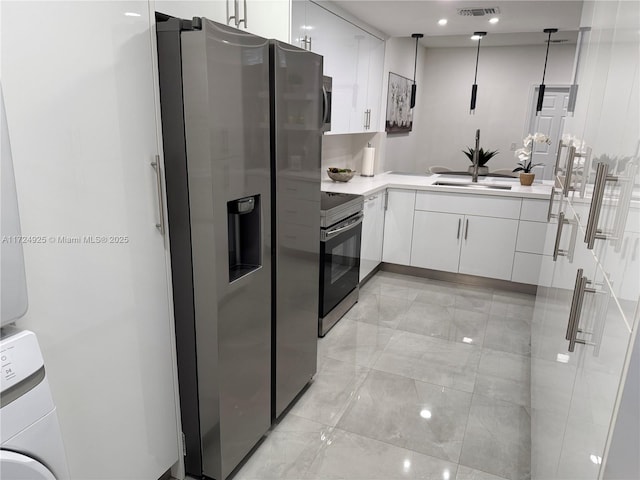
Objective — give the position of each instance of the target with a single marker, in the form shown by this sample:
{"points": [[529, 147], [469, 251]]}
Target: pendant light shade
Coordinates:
{"points": [[417, 36], [541, 88], [474, 87]]}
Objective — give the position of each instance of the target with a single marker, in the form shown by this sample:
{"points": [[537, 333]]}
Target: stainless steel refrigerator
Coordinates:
{"points": [[242, 126]]}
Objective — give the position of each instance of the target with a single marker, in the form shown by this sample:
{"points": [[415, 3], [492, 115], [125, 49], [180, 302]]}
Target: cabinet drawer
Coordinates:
{"points": [[531, 237], [534, 210], [469, 204]]}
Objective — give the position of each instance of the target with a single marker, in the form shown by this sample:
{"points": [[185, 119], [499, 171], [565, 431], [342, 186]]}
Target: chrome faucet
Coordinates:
{"points": [[476, 158]]}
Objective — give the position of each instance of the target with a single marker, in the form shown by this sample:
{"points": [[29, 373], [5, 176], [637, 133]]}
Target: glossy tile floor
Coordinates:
{"points": [[420, 380]]}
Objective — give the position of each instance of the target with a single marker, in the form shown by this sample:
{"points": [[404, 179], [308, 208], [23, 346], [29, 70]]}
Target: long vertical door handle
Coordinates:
{"points": [[156, 166], [244, 17], [569, 171], [365, 120], [309, 44], [236, 16], [459, 225], [466, 228]]}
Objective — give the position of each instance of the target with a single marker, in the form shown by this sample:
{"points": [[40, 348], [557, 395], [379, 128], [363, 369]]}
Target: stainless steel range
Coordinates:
{"points": [[340, 234]]}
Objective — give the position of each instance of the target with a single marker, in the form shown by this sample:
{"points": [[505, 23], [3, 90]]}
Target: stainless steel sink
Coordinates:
{"points": [[491, 186]]}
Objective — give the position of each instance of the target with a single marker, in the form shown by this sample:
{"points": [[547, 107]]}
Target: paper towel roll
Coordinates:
{"points": [[368, 157]]}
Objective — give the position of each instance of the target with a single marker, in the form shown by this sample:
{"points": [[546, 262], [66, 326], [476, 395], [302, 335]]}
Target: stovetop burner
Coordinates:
{"points": [[329, 200], [335, 207]]}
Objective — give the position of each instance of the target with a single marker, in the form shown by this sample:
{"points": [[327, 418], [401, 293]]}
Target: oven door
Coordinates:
{"points": [[339, 262]]}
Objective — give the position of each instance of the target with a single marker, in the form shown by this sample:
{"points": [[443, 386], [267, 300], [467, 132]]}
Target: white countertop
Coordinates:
{"points": [[359, 185]]}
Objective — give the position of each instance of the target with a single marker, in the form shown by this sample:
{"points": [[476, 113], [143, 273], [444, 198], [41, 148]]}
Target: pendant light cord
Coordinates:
{"points": [[544, 72], [475, 78], [415, 61]]}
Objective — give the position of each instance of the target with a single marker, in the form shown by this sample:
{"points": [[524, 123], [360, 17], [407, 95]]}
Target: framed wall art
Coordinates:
{"points": [[399, 117]]}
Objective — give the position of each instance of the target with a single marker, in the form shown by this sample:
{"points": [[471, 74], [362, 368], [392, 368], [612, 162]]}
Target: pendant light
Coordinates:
{"points": [[548, 31], [417, 36], [474, 87]]}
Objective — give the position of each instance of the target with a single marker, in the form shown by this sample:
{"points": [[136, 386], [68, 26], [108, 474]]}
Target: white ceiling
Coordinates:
{"points": [[521, 22]]}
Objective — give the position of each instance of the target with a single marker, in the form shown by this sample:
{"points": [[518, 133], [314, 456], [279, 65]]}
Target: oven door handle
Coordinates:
{"points": [[354, 223]]}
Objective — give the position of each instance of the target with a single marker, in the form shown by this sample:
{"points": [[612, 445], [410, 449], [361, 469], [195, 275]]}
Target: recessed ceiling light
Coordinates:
{"points": [[442, 21], [494, 20], [475, 37], [131, 14]]}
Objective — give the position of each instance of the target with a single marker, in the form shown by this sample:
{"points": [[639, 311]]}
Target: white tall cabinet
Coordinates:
{"points": [[81, 106], [577, 388]]}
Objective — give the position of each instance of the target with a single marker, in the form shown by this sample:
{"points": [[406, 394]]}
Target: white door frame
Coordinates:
{"points": [[531, 110]]}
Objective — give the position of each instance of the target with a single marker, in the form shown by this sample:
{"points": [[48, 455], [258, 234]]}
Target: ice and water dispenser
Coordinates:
{"points": [[245, 238]]}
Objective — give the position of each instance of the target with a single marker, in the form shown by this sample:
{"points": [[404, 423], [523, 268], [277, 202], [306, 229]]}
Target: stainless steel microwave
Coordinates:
{"points": [[326, 92]]}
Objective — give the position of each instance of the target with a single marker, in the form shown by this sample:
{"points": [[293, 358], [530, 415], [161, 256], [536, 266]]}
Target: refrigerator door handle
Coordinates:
{"points": [[156, 166], [325, 107]]}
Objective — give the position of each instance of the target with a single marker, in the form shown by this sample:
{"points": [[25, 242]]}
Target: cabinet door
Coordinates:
{"points": [[267, 18], [488, 246], [398, 226], [216, 10], [374, 85], [101, 311], [359, 109], [372, 234], [436, 240]]}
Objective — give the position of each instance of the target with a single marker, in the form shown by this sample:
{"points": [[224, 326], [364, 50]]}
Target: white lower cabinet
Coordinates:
{"points": [[372, 233], [436, 240], [398, 226], [488, 246], [445, 238], [481, 246]]}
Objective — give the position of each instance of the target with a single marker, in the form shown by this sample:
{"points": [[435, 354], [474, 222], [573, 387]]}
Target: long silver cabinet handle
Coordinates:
{"points": [[569, 171], [577, 301], [459, 225], [466, 228], [556, 247], [386, 200], [231, 17], [592, 233], [244, 19], [586, 169], [549, 214], [156, 166], [556, 168]]}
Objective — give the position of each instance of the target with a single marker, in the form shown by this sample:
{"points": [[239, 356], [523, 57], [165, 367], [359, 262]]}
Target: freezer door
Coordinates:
{"points": [[297, 139], [226, 111]]}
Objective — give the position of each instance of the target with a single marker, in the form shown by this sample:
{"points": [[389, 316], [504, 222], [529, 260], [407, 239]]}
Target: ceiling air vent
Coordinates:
{"points": [[478, 12]]}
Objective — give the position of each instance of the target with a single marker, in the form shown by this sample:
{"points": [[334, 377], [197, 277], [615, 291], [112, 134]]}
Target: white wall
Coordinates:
{"points": [[345, 151], [398, 151], [506, 78]]}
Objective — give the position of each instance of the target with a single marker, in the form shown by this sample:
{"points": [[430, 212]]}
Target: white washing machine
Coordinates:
{"points": [[32, 447]]}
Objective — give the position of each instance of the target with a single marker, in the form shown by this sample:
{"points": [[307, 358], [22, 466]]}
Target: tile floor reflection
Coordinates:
{"points": [[420, 380]]}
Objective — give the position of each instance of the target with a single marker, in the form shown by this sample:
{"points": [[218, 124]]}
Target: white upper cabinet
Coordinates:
{"points": [[266, 18], [352, 57]]}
